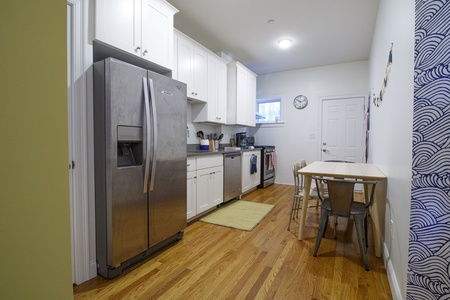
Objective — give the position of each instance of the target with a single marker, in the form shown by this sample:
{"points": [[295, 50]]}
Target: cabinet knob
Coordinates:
{"points": [[137, 49], [145, 52]]}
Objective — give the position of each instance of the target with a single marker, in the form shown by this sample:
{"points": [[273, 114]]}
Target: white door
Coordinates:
{"points": [[342, 129]]}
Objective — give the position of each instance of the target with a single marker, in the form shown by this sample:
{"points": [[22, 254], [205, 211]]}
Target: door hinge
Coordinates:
{"points": [[72, 166]]}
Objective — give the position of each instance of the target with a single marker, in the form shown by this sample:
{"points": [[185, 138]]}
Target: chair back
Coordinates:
{"points": [[298, 184], [340, 195]]}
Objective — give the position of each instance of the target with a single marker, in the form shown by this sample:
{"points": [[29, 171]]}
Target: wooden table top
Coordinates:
{"points": [[347, 170]]}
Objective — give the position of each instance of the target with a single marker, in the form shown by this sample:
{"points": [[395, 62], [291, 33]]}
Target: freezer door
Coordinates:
{"points": [[167, 195], [120, 147]]}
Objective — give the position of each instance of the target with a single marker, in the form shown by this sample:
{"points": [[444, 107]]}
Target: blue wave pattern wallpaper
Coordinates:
{"points": [[429, 236]]}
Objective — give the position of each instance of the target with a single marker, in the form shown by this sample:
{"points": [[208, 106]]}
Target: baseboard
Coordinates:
{"points": [[92, 269], [393, 282]]}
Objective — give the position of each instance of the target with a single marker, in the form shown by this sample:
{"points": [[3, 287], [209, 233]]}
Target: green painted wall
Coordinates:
{"points": [[35, 253]]}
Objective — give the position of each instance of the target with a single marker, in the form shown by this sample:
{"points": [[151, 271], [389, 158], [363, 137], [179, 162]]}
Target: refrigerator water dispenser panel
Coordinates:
{"points": [[129, 146]]}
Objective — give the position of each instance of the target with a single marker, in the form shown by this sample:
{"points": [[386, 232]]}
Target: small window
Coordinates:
{"points": [[268, 110]]}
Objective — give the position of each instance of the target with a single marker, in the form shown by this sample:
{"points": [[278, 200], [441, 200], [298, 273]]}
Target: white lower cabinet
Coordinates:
{"points": [[249, 180], [205, 184], [191, 194]]}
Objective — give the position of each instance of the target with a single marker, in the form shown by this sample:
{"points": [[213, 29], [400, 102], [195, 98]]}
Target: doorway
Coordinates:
{"points": [[78, 153], [342, 135]]}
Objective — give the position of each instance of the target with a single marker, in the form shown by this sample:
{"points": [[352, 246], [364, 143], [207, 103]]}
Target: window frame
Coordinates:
{"points": [[271, 100]]}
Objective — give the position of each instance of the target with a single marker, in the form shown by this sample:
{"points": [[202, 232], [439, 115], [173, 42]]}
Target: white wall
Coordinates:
{"points": [[299, 137], [391, 129]]}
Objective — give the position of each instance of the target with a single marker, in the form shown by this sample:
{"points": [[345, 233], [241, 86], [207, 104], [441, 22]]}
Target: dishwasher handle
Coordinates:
{"points": [[232, 155]]}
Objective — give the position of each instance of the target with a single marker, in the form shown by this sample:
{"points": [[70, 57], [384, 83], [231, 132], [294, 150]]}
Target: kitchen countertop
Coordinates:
{"points": [[221, 151]]}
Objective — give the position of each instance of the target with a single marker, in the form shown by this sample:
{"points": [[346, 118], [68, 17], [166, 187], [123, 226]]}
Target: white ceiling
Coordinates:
{"points": [[323, 32]]}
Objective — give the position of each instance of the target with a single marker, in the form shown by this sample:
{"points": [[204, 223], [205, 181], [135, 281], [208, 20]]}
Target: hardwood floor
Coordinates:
{"points": [[214, 262]]}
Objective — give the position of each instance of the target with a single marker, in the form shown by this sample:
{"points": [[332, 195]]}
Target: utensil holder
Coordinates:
{"points": [[204, 144]]}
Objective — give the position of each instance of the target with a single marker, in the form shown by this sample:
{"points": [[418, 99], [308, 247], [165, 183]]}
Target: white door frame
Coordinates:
{"points": [[78, 136], [339, 97]]}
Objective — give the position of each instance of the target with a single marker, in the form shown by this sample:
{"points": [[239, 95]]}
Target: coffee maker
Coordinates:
{"points": [[241, 139]]}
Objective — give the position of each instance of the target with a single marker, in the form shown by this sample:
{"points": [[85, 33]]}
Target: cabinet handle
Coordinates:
{"points": [[137, 49], [145, 52]]}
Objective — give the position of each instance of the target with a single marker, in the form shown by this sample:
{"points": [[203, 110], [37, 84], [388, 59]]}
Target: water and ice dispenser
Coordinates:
{"points": [[129, 146]]}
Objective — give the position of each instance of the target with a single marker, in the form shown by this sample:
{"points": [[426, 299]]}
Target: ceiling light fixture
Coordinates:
{"points": [[284, 43]]}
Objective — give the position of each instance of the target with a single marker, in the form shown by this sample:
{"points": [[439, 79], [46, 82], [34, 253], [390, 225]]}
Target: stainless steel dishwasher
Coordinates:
{"points": [[231, 176]]}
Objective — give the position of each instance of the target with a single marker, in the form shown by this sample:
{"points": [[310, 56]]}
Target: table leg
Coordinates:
{"points": [[306, 189], [377, 214]]}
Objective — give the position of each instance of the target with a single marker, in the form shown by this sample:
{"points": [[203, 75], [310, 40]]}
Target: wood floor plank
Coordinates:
{"points": [[215, 262]]}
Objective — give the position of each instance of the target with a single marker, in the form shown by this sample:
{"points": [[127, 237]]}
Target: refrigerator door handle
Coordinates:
{"points": [[147, 130], [154, 133]]}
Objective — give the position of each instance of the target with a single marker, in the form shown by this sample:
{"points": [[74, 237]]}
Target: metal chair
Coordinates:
{"points": [[340, 203], [297, 197]]}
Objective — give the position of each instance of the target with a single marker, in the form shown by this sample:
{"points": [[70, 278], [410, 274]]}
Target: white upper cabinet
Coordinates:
{"points": [[141, 27], [215, 110], [241, 95], [192, 67]]}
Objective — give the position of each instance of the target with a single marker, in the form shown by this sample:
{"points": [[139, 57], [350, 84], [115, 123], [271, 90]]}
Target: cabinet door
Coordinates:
{"points": [[185, 50], [246, 97], [215, 186], [192, 65], [251, 100], [157, 32], [215, 110], [221, 103], [116, 23], [256, 177], [245, 172], [241, 96], [191, 194], [203, 204], [217, 90], [200, 74], [249, 180]]}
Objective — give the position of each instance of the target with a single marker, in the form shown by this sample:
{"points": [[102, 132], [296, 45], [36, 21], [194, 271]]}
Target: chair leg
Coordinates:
{"points": [[360, 232], [335, 226], [294, 207], [322, 227], [365, 232]]}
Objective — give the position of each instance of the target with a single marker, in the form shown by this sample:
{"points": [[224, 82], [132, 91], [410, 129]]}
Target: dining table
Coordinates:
{"points": [[367, 172]]}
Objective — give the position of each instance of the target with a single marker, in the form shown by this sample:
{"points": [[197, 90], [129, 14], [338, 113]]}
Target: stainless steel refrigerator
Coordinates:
{"points": [[140, 163]]}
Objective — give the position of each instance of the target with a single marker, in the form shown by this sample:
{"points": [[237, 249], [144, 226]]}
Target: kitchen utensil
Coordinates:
{"points": [[200, 134], [220, 136]]}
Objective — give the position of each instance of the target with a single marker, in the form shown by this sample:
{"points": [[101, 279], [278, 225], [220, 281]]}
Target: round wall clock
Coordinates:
{"points": [[300, 102]]}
